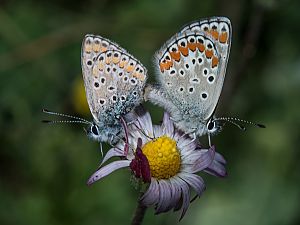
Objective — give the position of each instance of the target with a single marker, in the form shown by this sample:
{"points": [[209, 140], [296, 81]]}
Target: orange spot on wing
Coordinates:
{"points": [[163, 66], [184, 50], [175, 56], [122, 64], [116, 60], [214, 62], [223, 37], [88, 48], [101, 65], [108, 60], [208, 53], [96, 47], [129, 68], [95, 71], [214, 33], [192, 46], [103, 49], [169, 64], [201, 47]]}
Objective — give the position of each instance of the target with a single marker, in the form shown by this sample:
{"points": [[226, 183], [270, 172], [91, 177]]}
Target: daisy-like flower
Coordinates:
{"points": [[165, 158]]}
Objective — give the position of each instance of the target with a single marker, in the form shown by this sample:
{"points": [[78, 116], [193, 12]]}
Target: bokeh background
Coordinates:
{"points": [[44, 168]]}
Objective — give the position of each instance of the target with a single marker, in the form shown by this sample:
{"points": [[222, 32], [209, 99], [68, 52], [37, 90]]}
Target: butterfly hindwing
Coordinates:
{"points": [[192, 64], [191, 69], [188, 67], [114, 80]]}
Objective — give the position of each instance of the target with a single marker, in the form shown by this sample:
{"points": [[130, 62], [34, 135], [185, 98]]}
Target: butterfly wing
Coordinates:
{"points": [[192, 66], [220, 31], [114, 80]]}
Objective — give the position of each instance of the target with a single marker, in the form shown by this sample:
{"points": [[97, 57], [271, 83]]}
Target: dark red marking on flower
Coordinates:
{"points": [[140, 165]]}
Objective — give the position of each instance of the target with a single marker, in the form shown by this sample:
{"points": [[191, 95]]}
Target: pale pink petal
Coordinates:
{"points": [[144, 121], [168, 125], [152, 194], [157, 131], [176, 193], [195, 181], [106, 170], [216, 169], [220, 158], [165, 195], [111, 153], [185, 196], [205, 160]]}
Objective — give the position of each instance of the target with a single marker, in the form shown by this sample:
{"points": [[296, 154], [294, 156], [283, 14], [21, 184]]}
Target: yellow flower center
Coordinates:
{"points": [[163, 156]]}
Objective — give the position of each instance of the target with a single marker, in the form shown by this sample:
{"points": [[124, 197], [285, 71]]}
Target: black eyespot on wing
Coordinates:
{"points": [[89, 62]]}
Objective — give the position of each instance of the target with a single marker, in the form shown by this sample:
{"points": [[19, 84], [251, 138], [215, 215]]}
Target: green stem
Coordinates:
{"points": [[139, 213]]}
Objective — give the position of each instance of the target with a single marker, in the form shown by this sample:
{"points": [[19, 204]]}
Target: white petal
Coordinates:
{"points": [[164, 196], [167, 125], [152, 194], [111, 153], [185, 194], [176, 192], [106, 170], [195, 181]]}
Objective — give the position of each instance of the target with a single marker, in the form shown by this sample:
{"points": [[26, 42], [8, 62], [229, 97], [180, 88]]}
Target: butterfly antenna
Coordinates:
{"points": [[65, 121], [66, 115], [246, 121], [234, 120]]}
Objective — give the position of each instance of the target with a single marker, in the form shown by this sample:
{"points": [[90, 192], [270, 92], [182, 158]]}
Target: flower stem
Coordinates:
{"points": [[139, 213]]}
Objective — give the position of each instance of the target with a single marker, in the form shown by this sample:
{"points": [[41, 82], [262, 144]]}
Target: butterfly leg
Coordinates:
{"points": [[101, 149], [126, 147], [209, 141]]}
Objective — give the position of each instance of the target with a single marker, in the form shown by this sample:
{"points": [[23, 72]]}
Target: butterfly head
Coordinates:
{"points": [[93, 132], [214, 126]]}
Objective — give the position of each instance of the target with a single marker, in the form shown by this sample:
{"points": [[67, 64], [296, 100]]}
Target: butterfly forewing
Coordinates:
{"points": [[114, 80], [220, 31], [192, 66]]}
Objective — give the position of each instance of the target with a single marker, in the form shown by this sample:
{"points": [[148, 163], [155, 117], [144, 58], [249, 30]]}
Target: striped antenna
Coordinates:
{"points": [[234, 121], [75, 118]]}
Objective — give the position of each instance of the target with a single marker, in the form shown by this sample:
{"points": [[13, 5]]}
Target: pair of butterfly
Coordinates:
{"points": [[190, 67]]}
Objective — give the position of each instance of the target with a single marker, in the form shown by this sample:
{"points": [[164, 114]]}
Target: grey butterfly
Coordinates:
{"points": [[191, 68], [114, 82]]}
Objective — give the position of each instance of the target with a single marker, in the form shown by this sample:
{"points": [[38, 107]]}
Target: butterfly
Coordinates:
{"points": [[191, 69], [114, 83]]}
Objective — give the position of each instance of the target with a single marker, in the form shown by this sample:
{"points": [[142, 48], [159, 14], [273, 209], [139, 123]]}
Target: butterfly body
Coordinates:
{"points": [[114, 81], [191, 69]]}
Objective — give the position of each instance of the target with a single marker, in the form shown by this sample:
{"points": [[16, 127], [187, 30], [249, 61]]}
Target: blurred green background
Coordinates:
{"points": [[43, 169]]}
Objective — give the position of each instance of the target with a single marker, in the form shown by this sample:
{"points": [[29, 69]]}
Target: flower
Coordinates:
{"points": [[167, 159]]}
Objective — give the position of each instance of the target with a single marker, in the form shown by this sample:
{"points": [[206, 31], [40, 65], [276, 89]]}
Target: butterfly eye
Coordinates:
{"points": [[94, 130], [210, 125]]}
